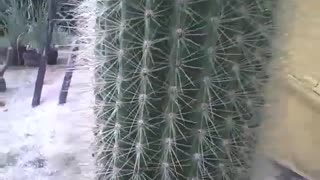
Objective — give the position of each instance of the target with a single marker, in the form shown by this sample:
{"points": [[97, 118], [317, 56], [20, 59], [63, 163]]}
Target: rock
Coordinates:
{"points": [[3, 160], [12, 159], [287, 174], [38, 162], [3, 85], [8, 159]]}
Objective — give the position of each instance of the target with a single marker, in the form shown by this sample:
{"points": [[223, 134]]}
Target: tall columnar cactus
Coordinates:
{"points": [[180, 87]]}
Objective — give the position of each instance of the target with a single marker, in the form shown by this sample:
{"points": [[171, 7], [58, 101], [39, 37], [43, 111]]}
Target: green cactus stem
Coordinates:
{"points": [[180, 87]]}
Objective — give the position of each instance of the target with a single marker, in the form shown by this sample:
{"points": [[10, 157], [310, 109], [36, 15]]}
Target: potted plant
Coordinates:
{"points": [[36, 42], [37, 37], [14, 26]]}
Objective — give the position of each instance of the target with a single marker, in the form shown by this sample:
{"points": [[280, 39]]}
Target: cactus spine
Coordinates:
{"points": [[180, 87]]}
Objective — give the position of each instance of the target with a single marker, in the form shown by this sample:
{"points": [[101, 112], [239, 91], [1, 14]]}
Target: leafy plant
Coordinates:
{"points": [[179, 86], [14, 20], [38, 24], [4, 42], [14, 16], [61, 37]]}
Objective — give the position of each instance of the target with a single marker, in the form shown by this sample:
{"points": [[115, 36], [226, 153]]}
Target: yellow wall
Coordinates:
{"points": [[292, 135]]}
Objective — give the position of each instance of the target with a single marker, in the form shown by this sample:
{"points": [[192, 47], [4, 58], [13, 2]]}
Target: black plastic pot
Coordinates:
{"points": [[52, 56], [17, 55], [31, 58], [3, 86]]}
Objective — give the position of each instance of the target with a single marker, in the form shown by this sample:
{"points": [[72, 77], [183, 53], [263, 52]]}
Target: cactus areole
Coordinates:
{"points": [[180, 87]]}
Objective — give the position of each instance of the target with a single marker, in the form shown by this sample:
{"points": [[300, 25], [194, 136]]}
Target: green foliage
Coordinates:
{"points": [[180, 87], [61, 37], [4, 42], [37, 24], [14, 20], [25, 22]]}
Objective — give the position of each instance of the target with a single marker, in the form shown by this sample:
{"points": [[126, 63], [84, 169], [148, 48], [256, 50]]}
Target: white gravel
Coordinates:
{"points": [[49, 142], [54, 142]]}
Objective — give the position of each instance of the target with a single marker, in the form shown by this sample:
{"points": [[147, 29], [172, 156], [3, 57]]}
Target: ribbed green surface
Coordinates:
{"points": [[180, 87]]}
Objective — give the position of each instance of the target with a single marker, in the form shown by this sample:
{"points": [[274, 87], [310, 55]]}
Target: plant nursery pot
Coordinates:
{"points": [[17, 55], [3, 85], [31, 58], [52, 56], [2, 32], [3, 52]]}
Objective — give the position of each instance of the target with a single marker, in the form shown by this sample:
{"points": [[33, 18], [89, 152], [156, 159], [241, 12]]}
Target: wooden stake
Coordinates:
{"points": [[67, 77], [43, 63]]}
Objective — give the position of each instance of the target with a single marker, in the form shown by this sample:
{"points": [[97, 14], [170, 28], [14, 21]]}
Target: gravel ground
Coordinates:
{"points": [[49, 142], [53, 142]]}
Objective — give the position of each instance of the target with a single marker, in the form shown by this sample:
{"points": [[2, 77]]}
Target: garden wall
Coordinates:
{"points": [[292, 136]]}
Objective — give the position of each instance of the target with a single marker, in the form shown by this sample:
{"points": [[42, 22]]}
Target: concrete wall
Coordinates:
{"points": [[292, 134]]}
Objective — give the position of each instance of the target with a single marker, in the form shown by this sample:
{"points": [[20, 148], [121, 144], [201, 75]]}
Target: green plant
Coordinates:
{"points": [[4, 42], [13, 17], [61, 37], [14, 24], [179, 86], [37, 25]]}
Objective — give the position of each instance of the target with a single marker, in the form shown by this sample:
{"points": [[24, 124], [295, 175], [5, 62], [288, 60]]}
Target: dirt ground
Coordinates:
{"points": [[292, 136], [51, 141]]}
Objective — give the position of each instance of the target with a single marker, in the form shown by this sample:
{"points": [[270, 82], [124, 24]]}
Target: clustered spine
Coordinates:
{"points": [[180, 87]]}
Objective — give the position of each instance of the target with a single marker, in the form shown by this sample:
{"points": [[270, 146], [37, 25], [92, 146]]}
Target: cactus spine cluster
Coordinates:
{"points": [[179, 87]]}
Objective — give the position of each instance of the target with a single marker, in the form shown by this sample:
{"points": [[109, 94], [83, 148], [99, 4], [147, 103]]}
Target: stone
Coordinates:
{"points": [[3, 160], [8, 159], [38, 162]]}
